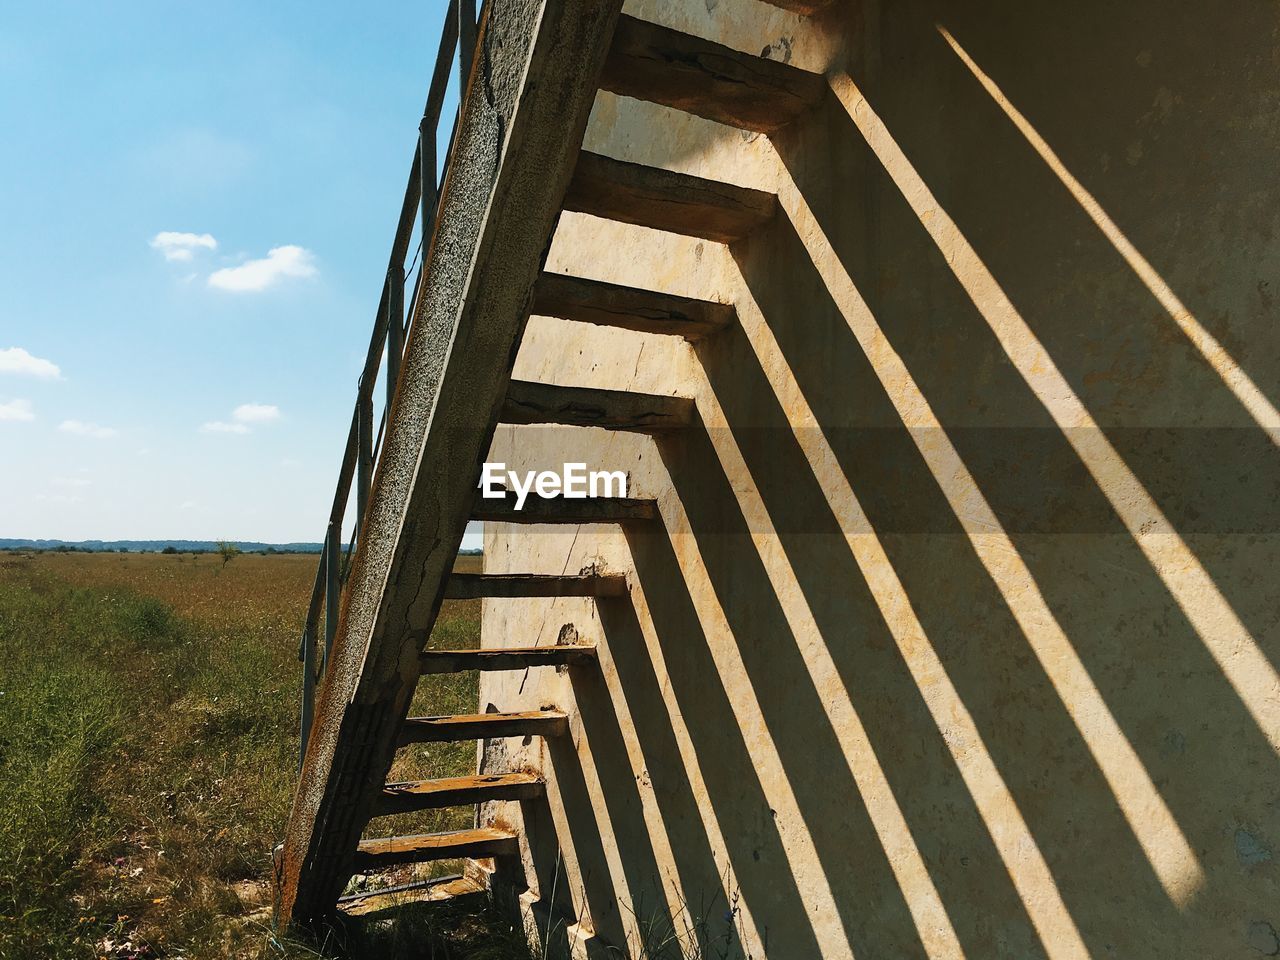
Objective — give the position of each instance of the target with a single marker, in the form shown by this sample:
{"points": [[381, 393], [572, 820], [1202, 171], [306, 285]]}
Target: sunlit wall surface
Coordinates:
{"points": [[959, 635]]}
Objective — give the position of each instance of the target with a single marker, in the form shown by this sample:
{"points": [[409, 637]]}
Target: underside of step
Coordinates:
{"points": [[664, 200], [424, 848], [655, 63], [483, 726], [803, 7], [472, 586], [561, 510], [529, 403], [613, 305], [505, 658], [455, 890], [454, 792]]}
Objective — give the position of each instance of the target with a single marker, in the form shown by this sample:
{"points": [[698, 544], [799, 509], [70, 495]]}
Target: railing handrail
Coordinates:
{"points": [[359, 461]]}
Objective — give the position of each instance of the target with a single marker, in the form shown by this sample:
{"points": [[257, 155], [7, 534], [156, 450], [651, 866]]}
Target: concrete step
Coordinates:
{"points": [[472, 586], [664, 200], [395, 851], [613, 305], [651, 62], [505, 658], [528, 402], [805, 8], [483, 726], [418, 795], [387, 900], [559, 510]]}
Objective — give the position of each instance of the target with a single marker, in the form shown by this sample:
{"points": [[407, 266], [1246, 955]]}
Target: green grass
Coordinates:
{"points": [[144, 769], [148, 750], [59, 714]]}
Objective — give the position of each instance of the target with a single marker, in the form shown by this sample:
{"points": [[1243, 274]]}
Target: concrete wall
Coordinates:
{"points": [[960, 635]]}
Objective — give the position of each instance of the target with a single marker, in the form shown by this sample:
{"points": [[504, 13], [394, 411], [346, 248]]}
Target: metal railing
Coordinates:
{"points": [[391, 330]]}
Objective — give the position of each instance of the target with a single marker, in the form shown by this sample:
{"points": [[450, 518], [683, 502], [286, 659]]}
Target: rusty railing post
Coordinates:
{"points": [[466, 12], [427, 176], [364, 461], [308, 689], [395, 329], [332, 591]]}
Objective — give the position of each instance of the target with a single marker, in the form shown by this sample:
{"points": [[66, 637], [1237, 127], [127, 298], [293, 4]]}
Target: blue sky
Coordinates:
{"points": [[155, 155]]}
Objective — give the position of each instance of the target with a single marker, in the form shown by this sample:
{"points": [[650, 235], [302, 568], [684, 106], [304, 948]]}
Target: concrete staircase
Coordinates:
{"points": [[377, 644]]}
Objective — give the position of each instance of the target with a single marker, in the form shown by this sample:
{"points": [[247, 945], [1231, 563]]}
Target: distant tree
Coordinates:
{"points": [[171, 549], [227, 550]]}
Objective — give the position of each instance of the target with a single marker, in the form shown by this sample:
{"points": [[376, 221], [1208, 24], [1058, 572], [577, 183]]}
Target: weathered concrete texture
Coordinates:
{"points": [[958, 637]]}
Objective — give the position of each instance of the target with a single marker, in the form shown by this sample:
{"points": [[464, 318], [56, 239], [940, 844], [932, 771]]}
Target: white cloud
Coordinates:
{"points": [[182, 246], [255, 413], [17, 360], [82, 429], [71, 481], [241, 417], [221, 426], [256, 275], [17, 410]]}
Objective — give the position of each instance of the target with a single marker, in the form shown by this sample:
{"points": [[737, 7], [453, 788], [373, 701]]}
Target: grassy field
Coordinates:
{"points": [[148, 747]]}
